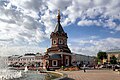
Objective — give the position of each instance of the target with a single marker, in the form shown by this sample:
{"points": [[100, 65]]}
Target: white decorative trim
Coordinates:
{"points": [[60, 41], [53, 62], [54, 41]]}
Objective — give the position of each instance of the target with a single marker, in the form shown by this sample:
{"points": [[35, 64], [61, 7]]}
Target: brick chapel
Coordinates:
{"points": [[58, 54]]}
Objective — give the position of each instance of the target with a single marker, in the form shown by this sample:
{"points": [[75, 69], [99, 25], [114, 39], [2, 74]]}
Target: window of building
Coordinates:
{"points": [[67, 61], [65, 42], [54, 41], [54, 62], [60, 41]]}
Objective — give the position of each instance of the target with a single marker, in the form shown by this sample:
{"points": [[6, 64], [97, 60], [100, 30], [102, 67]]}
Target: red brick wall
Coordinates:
{"points": [[50, 63], [64, 59], [59, 63]]}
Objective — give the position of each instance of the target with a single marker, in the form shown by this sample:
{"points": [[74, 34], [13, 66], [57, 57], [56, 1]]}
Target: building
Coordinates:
{"points": [[13, 59], [58, 54], [115, 53], [29, 59], [79, 60]]}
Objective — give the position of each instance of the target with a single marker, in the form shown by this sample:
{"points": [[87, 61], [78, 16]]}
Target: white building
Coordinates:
{"points": [[13, 59], [113, 52], [79, 59], [27, 59]]}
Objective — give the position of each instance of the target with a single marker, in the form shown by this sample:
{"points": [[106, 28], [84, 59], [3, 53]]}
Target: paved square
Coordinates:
{"points": [[92, 75]]}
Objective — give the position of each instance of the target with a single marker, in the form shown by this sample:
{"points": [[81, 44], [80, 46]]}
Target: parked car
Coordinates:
{"points": [[117, 66], [102, 66]]}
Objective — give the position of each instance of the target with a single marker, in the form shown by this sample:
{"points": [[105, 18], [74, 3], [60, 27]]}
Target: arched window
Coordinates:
{"points": [[65, 42], [54, 63], [60, 41], [54, 41]]}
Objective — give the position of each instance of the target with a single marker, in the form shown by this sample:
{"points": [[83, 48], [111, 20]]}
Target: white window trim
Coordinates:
{"points": [[54, 41], [53, 62], [60, 41]]}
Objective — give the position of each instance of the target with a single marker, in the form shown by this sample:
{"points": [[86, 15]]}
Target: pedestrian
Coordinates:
{"points": [[113, 68], [84, 68]]}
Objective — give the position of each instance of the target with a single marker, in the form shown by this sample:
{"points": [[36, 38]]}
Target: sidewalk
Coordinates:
{"points": [[92, 75]]}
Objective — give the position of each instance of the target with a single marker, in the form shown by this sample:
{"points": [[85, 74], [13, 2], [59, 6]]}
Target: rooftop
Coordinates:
{"points": [[58, 27], [113, 51], [14, 56], [29, 54]]}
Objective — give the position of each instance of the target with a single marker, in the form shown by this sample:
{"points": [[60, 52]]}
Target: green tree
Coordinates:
{"points": [[113, 60], [102, 55]]}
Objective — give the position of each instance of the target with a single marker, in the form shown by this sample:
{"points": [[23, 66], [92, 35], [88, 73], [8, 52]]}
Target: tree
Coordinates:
{"points": [[102, 55], [113, 60]]}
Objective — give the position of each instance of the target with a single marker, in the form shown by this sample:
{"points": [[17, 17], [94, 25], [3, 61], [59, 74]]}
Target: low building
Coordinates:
{"points": [[13, 59], [115, 53], [79, 59], [28, 59]]}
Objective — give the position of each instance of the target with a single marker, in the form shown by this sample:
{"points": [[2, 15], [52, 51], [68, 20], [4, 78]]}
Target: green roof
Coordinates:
{"points": [[115, 52]]}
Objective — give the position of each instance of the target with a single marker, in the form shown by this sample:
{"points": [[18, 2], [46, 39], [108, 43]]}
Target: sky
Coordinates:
{"points": [[91, 25]]}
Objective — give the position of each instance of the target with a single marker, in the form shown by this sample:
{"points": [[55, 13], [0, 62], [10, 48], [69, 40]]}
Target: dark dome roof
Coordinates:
{"points": [[59, 28]]}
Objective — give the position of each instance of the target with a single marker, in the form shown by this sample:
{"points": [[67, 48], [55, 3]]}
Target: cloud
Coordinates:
{"points": [[26, 17], [88, 23], [19, 22], [91, 47], [118, 28], [94, 37], [94, 12], [29, 22], [19, 50], [62, 4]]}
